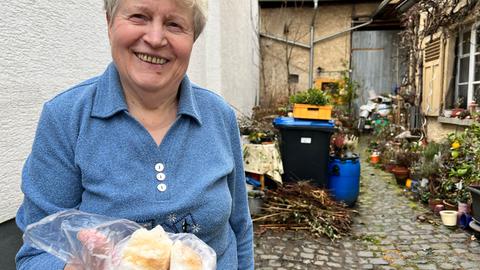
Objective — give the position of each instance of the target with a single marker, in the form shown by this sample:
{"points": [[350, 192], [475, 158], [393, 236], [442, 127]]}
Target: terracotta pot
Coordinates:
{"points": [[374, 159], [389, 167], [401, 174], [434, 202], [449, 205]]}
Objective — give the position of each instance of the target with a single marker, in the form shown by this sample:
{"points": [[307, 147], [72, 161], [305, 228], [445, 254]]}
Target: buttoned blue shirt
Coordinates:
{"points": [[91, 154]]}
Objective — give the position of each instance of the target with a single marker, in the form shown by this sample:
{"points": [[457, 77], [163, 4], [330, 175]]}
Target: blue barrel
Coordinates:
{"points": [[344, 179]]}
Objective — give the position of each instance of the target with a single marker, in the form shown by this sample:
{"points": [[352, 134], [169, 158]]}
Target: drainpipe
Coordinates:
{"points": [[312, 47]]}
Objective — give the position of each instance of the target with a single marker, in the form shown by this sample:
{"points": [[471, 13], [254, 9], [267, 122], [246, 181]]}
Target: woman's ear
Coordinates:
{"points": [[108, 18]]}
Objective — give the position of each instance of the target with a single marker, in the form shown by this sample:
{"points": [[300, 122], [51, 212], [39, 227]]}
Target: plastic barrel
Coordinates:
{"points": [[344, 179]]}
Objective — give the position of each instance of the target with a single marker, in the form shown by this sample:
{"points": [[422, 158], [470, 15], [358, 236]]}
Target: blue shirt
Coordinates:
{"points": [[89, 153]]}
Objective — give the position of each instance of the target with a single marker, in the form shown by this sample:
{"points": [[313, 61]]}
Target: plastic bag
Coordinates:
{"points": [[104, 240]]}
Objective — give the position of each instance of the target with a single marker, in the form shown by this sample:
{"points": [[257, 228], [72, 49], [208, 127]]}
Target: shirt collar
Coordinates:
{"points": [[109, 98]]}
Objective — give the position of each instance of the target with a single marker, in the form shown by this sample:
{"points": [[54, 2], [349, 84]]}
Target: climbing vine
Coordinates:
{"points": [[422, 21]]}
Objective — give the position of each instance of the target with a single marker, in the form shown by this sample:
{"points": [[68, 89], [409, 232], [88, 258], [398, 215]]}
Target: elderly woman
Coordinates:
{"points": [[142, 142]]}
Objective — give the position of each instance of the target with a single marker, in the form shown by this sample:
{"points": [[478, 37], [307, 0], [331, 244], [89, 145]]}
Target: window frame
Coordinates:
{"points": [[472, 54]]}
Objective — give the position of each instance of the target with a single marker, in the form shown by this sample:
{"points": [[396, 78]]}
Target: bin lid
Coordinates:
{"points": [[290, 122]]}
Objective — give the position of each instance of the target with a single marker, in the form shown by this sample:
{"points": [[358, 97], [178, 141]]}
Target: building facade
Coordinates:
{"points": [[49, 46]]}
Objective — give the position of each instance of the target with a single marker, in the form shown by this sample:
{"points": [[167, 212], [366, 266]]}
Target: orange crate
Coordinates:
{"points": [[306, 111]]}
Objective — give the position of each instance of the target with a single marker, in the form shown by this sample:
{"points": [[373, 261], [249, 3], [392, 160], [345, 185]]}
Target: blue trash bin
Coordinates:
{"points": [[344, 179]]}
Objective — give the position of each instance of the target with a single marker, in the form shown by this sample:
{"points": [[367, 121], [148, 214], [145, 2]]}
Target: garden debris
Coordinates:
{"points": [[427, 218], [302, 206]]}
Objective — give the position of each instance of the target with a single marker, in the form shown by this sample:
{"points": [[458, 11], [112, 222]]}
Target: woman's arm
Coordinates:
{"points": [[50, 181], [240, 219]]}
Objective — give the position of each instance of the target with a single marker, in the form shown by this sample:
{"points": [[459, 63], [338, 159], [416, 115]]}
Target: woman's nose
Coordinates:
{"points": [[155, 36]]}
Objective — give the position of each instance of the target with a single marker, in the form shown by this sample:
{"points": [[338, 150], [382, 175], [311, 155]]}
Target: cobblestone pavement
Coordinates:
{"points": [[386, 235]]}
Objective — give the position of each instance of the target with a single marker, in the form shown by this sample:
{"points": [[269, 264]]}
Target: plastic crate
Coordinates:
{"points": [[306, 111]]}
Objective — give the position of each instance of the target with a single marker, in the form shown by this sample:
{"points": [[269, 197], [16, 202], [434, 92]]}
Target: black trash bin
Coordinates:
{"points": [[305, 146]]}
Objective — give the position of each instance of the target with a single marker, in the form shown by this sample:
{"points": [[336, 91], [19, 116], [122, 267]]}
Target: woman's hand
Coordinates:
{"points": [[97, 251]]}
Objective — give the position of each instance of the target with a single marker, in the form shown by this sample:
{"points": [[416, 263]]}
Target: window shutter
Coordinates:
{"points": [[432, 77]]}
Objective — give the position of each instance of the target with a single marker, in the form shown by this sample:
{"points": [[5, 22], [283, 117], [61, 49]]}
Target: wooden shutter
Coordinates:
{"points": [[432, 77]]}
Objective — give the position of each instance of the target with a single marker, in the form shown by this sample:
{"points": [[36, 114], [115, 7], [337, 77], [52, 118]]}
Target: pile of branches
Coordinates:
{"points": [[302, 206]]}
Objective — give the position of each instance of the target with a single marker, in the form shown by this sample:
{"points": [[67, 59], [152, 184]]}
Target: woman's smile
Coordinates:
{"points": [[151, 59]]}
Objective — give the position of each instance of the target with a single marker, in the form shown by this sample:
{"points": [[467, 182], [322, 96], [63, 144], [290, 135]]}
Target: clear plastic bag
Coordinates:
{"points": [[92, 241]]}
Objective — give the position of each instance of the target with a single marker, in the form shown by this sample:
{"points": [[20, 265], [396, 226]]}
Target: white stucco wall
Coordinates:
{"points": [[226, 57], [48, 46]]}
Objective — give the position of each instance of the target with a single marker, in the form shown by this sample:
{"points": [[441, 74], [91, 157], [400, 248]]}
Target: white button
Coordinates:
{"points": [[159, 167], [162, 187], [161, 176]]}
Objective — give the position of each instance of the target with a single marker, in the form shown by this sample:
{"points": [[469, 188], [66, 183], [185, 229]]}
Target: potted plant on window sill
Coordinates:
{"points": [[312, 104]]}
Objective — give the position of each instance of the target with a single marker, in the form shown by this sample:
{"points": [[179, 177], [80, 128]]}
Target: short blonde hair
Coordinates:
{"points": [[199, 7]]}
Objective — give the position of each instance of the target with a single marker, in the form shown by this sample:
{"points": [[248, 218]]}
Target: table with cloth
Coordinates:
{"points": [[263, 159]]}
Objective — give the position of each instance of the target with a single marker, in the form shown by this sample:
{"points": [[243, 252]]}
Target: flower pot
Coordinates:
{"points": [[389, 167], [255, 201], [449, 217], [464, 221], [463, 208], [447, 113], [401, 174], [374, 159], [449, 205], [434, 202]]}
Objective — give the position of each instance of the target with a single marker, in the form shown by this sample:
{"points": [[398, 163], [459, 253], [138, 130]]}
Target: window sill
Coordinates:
{"points": [[455, 121]]}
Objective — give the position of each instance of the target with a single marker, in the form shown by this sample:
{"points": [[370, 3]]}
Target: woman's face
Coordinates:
{"points": [[151, 42]]}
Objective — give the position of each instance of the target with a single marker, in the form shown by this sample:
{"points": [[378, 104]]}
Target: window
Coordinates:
{"points": [[293, 78], [467, 80]]}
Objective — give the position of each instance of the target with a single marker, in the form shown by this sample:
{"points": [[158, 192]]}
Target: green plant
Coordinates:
{"points": [[405, 157], [428, 169], [348, 90], [312, 96], [463, 195], [430, 151], [258, 137]]}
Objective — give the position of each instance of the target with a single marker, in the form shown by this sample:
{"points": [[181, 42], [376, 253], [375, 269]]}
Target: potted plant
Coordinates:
{"points": [[463, 196], [401, 170], [312, 104], [388, 159], [343, 145]]}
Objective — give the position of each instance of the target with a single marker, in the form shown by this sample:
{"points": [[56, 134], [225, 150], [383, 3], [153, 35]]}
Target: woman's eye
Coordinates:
{"points": [[174, 25], [138, 17]]}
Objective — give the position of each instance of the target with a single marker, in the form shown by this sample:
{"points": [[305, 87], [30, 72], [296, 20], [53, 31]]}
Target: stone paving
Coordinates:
{"points": [[386, 234]]}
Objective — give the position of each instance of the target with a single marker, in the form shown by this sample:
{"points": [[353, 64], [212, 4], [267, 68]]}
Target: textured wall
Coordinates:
{"points": [[437, 131], [226, 57], [48, 46], [330, 55]]}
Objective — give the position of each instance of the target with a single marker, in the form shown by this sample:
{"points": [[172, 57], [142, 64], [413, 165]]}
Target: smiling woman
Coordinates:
{"points": [[132, 142]]}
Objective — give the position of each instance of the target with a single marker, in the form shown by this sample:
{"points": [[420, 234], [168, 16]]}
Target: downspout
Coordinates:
{"points": [[312, 47]]}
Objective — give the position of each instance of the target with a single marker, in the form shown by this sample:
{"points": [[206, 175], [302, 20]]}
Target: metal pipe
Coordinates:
{"points": [[380, 7], [312, 47], [312, 53], [294, 43], [405, 5]]}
